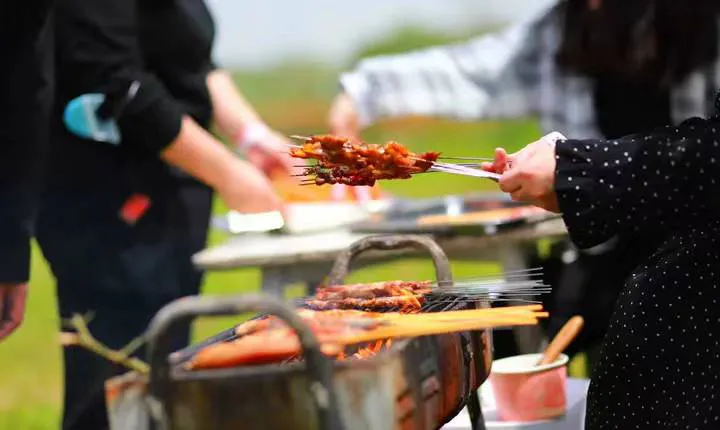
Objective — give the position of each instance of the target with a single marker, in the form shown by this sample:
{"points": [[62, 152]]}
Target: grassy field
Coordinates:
{"points": [[295, 101]]}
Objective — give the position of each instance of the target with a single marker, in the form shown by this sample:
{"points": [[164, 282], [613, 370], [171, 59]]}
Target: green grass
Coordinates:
{"points": [[293, 100]]}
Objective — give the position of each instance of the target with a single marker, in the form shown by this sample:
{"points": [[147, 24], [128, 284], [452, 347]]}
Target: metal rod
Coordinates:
{"points": [[465, 158], [508, 272]]}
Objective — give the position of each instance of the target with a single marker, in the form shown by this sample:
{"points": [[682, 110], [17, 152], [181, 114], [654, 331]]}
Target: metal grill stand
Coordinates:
{"points": [[418, 383], [321, 390], [443, 274]]}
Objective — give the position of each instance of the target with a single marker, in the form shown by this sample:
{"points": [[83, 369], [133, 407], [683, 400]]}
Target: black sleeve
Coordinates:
{"points": [[100, 37], [641, 183], [27, 78]]}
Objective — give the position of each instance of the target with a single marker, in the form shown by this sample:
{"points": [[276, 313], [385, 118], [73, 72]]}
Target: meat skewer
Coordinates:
{"points": [[444, 157], [347, 296], [405, 303], [345, 161], [281, 344], [376, 289], [339, 316]]}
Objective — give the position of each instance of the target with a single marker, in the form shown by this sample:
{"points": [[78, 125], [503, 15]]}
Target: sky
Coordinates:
{"points": [[253, 34]]}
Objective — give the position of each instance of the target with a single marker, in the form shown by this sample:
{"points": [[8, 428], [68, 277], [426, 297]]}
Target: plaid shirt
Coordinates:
{"points": [[510, 74]]}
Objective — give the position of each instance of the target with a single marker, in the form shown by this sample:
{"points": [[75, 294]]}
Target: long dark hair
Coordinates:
{"points": [[659, 41]]}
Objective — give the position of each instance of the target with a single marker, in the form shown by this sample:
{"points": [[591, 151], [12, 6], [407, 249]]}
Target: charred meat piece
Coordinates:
{"points": [[345, 161], [404, 303], [263, 347], [373, 290]]}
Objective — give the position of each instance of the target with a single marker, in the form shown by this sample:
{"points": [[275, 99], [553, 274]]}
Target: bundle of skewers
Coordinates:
{"points": [[269, 340], [357, 321], [345, 315], [410, 296], [340, 160]]}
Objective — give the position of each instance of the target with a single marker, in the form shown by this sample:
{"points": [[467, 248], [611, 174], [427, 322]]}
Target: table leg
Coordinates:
{"points": [[529, 339], [274, 281], [312, 285], [477, 421]]}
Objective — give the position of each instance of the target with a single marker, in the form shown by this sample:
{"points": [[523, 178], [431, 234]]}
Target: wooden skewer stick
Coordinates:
{"points": [[429, 330], [420, 318], [468, 313]]}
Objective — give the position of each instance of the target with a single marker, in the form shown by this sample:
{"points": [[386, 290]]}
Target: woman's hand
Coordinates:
{"points": [[343, 118], [500, 164], [242, 186], [268, 150], [272, 155], [245, 189], [529, 174]]}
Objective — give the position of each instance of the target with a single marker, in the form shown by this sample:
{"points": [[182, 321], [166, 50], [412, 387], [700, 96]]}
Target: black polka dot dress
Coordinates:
{"points": [[660, 362]]}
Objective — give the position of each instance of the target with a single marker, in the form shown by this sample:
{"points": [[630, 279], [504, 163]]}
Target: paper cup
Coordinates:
{"points": [[526, 392]]}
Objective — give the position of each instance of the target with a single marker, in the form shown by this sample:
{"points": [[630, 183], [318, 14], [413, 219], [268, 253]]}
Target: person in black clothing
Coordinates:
{"points": [[119, 223], [596, 68], [638, 56], [658, 365], [27, 78]]}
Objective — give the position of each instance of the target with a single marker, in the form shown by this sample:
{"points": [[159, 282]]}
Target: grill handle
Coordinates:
{"points": [[318, 367], [341, 267]]}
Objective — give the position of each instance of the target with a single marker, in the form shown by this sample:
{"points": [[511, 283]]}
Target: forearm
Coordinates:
{"points": [[199, 154], [652, 182], [232, 113], [495, 75], [424, 83], [240, 185]]}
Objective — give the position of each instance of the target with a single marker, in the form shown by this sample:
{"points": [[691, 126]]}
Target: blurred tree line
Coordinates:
{"points": [[411, 38], [304, 80]]}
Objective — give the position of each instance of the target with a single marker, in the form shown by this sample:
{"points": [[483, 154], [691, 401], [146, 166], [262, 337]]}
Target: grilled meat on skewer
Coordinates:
{"points": [[373, 290], [345, 161], [267, 346], [408, 303]]}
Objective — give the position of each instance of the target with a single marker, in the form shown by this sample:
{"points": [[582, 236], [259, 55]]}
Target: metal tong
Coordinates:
{"points": [[459, 169]]}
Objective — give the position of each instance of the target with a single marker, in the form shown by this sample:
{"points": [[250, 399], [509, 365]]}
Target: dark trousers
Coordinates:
{"points": [[121, 273]]}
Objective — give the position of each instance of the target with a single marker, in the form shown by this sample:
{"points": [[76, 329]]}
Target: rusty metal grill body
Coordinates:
{"points": [[419, 383]]}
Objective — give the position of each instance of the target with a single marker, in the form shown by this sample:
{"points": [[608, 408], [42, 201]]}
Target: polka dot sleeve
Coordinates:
{"points": [[642, 182]]}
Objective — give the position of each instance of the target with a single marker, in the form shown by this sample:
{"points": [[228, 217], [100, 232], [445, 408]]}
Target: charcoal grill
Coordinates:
{"points": [[418, 383]]}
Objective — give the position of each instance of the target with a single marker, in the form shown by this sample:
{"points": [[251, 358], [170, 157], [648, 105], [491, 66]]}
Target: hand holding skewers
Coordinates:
{"points": [[529, 174]]}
